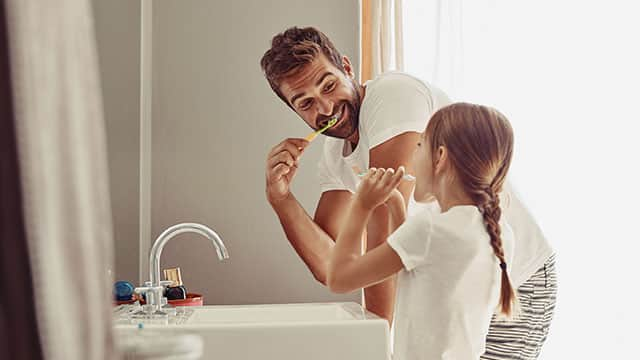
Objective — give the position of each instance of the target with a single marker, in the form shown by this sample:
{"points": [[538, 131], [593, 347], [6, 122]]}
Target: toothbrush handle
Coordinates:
{"points": [[405, 177], [311, 136]]}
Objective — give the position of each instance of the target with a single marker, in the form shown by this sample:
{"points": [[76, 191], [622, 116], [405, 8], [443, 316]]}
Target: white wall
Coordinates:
{"points": [[117, 27], [214, 120]]}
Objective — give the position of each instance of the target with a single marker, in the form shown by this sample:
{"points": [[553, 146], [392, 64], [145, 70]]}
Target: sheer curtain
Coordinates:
{"points": [[566, 74], [381, 42]]}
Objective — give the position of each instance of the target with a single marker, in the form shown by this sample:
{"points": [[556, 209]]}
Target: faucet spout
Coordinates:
{"points": [[156, 250]]}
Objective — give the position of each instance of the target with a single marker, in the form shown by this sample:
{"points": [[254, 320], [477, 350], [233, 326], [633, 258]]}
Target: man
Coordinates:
{"points": [[378, 126]]}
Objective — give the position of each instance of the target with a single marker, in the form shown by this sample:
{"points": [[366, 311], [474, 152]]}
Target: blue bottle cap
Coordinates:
{"points": [[123, 290]]}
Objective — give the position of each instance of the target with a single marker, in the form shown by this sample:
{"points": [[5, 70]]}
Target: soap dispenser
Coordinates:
{"points": [[175, 291]]}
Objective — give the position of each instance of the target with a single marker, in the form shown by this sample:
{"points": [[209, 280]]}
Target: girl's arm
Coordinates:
{"points": [[397, 210], [348, 269]]}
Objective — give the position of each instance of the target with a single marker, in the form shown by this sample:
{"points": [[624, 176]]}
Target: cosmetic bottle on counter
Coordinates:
{"points": [[122, 291], [175, 291]]}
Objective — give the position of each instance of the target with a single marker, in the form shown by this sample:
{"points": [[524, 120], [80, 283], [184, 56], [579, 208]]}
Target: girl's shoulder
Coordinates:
{"points": [[460, 224]]}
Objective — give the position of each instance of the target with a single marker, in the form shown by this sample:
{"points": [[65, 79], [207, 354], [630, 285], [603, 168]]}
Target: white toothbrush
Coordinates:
{"points": [[404, 177], [361, 174]]}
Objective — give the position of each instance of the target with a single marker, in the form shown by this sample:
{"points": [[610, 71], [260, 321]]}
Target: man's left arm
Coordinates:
{"points": [[395, 152]]}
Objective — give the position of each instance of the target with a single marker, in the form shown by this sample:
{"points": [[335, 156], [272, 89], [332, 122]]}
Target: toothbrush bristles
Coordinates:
{"points": [[313, 135]]}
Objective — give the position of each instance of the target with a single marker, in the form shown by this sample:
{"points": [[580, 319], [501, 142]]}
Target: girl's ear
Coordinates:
{"points": [[441, 160]]}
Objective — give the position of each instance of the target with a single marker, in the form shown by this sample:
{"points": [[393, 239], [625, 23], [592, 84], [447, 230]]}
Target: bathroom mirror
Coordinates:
{"points": [[190, 119]]}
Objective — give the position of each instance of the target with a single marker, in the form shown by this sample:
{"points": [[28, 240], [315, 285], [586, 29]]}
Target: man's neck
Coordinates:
{"points": [[355, 138]]}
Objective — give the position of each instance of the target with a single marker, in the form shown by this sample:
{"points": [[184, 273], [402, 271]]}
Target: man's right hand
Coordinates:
{"points": [[282, 164]]}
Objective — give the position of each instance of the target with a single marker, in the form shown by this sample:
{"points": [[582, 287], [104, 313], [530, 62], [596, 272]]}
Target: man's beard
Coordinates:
{"points": [[349, 125]]}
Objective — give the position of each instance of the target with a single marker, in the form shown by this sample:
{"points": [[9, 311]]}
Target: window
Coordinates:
{"points": [[566, 74]]}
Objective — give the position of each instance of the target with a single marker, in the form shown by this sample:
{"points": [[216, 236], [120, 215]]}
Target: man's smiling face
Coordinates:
{"points": [[319, 91]]}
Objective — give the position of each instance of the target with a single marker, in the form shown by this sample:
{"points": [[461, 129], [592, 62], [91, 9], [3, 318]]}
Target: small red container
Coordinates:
{"points": [[191, 300], [125, 302]]}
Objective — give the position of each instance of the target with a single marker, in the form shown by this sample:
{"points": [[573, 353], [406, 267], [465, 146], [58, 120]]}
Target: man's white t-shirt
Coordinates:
{"points": [[450, 286], [395, 103]]}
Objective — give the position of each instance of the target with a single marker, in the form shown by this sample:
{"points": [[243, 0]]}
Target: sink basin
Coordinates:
{"points": [[275, 313], [283, 331]]}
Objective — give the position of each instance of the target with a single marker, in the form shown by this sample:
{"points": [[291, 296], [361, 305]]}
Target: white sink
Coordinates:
{"points": [[288, 331], [274, 313]]}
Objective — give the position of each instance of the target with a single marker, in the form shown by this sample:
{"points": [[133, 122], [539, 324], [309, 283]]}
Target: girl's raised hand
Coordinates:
{"points": [[377, 186]]}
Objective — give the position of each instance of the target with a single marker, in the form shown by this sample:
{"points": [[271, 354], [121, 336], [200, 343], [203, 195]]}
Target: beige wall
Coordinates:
{"points": [[214, 120], [117, 25]]}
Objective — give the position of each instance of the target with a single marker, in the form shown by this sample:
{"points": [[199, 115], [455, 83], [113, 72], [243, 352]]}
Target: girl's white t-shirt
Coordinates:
{"points": [[395, 103], [450, 286]]}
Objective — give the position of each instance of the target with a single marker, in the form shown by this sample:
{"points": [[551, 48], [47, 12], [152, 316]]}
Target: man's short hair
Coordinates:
{"points": [[293, 49]]}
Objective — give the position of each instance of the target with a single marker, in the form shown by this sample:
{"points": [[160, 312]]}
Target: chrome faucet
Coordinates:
{"points": [[155, 286]]}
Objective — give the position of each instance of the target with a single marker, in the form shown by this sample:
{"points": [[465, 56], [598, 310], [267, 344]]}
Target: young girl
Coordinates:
{"points": [[453, 265]]}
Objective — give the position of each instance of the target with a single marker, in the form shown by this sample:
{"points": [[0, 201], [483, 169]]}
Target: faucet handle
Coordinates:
{"points": [[163, 283], [147, 289], [157, 292], [151, 293]]}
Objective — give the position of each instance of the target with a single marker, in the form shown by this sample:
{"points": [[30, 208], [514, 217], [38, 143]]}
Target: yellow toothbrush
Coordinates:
{"points": [[313, 135]]}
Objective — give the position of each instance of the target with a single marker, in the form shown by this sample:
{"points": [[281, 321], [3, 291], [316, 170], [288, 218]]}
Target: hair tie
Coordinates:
{"points": [[503, 265]]}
